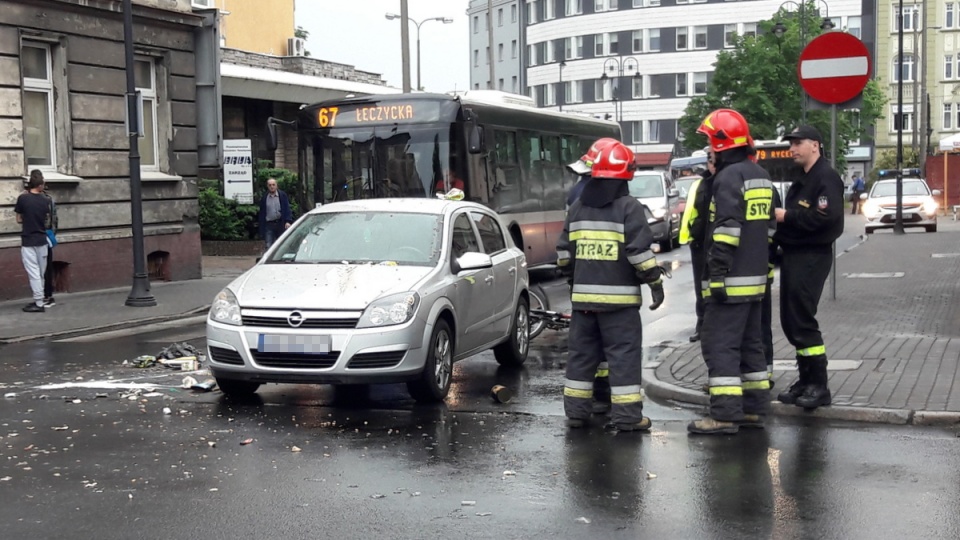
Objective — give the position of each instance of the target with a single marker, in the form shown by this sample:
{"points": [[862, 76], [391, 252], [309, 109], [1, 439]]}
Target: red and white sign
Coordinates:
{"points": [[834, 67]]}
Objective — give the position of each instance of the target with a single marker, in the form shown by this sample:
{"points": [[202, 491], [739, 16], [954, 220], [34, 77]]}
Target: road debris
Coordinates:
{"points": [[484, 514], [468, 503], [188, 382], [143, 361], [378, 496], [581, 519], [9, 395], [501, 394], [166, 410], [295, 449], [204, 386], [509, 473], [651, 476], [246, 442]]}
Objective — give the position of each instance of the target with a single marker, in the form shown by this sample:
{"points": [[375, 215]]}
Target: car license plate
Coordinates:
{"points": [[293, 344]]}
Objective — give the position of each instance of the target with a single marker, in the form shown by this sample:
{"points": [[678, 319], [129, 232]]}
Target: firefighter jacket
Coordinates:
{"points": [[738, 232], [690, 213], [609, 251], [693, 223], [814, 206]]}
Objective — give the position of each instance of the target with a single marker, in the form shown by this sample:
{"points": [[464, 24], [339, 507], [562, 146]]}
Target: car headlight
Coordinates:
{"points": [[390, 310], [930, 207], [870, 208], [659, 213], [225, 308]]}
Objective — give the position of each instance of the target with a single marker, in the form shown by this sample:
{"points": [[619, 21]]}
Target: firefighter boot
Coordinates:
{"points": [[817, 394], [709, 426], [790, 395], [752, 421], [643, 425]]}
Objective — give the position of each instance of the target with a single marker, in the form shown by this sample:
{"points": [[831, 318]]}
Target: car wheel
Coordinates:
{"points": [[434, 382], [538, 302], [513, 351], [667, 245], [233, 387]]}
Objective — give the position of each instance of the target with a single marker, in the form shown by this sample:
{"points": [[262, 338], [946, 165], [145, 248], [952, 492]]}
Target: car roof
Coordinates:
{"points": [[413, 205]]}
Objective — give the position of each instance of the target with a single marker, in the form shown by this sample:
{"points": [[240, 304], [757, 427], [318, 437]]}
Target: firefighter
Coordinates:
{"points": [[606, 242], [692, 230], [766, 315], [736, 247], [807, 225]]}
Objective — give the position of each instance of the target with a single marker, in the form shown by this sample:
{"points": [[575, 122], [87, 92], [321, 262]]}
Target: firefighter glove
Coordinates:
{"points": [[656, 291], [717, 290]]}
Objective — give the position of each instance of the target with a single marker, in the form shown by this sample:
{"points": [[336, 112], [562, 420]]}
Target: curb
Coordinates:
{"points": [[656, 388], [107, 327]]}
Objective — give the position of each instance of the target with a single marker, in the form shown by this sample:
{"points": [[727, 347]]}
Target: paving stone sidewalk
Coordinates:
{"points": [[892, 335]]}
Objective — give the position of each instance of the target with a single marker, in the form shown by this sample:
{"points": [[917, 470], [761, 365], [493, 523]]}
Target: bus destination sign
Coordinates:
{"points": [[774, 153], [396, 113]]}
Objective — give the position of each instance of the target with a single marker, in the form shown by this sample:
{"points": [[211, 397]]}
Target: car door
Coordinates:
{"points": [[503, 296], [471, 291]]}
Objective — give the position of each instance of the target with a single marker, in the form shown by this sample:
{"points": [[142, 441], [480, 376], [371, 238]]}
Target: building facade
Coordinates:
{"points": [[243, 25], [508, 49], [62, 111], [641, 61]]}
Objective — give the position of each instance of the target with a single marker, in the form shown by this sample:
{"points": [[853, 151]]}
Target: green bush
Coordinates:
{"points": [[224, 219]]}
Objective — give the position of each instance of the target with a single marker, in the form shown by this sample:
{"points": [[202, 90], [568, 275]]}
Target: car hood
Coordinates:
{"points": [[323, 286], [652, 202]]}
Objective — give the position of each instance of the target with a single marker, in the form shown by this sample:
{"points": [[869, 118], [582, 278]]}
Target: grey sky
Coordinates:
{"points": [[356, 32]]}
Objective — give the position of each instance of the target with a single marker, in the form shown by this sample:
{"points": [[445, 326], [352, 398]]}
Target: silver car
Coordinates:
{"points": [[374, 291], [657, 191], [919, 205]]}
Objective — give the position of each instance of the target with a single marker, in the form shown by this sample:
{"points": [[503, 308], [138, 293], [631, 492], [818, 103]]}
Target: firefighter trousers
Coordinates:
{"points": [[766, 327], [803, 273], [732, 347], [615, 337]]}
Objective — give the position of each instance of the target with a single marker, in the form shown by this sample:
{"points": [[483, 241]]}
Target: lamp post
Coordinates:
{"points": [[562, 92], [620, 66], [444, 20], [779, 29]]}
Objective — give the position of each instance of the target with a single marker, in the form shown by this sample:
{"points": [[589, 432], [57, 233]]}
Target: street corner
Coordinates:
{"points": [[659, 380]]}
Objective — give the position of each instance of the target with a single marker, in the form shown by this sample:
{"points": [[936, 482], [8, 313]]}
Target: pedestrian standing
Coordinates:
{"points": [[808, 224], [606, 241], [52, 225], [275, 216], [736, 247], [859, 188], [32, 209], [693, 226]]}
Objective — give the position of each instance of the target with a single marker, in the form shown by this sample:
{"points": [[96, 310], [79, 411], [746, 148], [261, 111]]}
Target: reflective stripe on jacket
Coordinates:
{"points": [[690, 213]]}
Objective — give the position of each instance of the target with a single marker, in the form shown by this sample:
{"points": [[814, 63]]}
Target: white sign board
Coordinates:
{"points": [[238, 170]]}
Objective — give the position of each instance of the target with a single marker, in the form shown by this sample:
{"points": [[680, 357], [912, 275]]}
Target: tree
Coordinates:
{"points": [[758, 78], [887, 159], [304, 35]]}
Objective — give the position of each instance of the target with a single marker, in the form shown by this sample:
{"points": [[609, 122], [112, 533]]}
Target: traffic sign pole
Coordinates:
{"points": [[833, 165]]}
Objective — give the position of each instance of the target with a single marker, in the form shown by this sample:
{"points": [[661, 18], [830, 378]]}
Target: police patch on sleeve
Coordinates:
{"points": [[822, 202]]}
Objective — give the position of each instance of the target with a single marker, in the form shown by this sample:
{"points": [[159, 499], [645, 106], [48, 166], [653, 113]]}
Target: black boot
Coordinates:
{"points": [[790, 395], [816, 394]]}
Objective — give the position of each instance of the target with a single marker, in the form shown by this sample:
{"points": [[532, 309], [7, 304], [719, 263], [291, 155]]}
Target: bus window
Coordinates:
{"points": [[506, 175], [554, 175], [531, 156]]}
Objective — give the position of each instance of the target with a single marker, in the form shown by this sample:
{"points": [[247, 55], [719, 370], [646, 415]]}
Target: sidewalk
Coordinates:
{"points": [[892, 335], [103, 310]]}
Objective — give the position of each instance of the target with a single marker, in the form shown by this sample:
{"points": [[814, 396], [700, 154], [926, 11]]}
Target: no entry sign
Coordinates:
{"points": [[834, 68]]}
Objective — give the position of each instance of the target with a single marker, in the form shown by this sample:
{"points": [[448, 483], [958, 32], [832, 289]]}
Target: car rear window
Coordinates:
{"points": [[363, 237]]}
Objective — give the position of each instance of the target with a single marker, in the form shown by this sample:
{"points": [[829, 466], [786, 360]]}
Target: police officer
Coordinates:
{"points": [[583, 167], [736, 247], [693, 225], [606, 240], [807, 225]]}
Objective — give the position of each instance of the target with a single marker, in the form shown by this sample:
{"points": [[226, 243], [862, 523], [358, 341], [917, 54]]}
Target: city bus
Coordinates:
{"points": [[774, 156], [497, 148]]}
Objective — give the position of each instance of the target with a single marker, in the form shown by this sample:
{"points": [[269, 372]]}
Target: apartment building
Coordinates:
{"points": [[508, 45]]}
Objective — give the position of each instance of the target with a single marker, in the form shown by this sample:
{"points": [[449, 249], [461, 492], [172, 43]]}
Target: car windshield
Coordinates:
{"points": [[646, 185], [363, 237], [910, 187], [684, 184]]}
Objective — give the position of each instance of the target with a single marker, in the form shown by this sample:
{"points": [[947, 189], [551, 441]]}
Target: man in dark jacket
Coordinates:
{"points": [[275, 216], [808, 224]]}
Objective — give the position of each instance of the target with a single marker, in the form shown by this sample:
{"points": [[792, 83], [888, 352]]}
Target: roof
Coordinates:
{"points": [[259, 83]]}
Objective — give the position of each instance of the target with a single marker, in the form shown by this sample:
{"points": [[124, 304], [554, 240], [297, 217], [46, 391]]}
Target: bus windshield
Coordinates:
{"points": [[381, 161]]}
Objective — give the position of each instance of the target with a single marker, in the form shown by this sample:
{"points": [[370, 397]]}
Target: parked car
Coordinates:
{"points": [[683, 185], [919, 206], [657, 191], [374, 291]]}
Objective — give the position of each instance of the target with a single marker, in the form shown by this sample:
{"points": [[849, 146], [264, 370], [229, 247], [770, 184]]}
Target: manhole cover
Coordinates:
{"points": [[832, 365], [874, 275]]}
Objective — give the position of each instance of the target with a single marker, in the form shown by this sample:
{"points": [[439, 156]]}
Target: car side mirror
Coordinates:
{"points": [[673, 193], [937, 193], [863, 196], [473, 261]]}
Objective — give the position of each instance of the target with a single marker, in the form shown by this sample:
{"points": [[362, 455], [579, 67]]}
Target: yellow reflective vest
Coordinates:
{"points": [[689, 213]]}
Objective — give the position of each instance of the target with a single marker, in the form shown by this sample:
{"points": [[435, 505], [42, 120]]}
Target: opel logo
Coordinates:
{"points": [[295, 319]]}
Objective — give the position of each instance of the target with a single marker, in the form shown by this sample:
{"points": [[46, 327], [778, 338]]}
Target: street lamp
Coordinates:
{"points": [[444, 20], [620, 66], [779, 29], [562, 92]]}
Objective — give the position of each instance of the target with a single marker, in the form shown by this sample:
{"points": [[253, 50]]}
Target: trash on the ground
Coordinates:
{"points": [[10, 395], [152, 394], [186, 363], [178, 350], [143, 361], [378, 496], [501, 394], [295, 449], [101, 395], [166, 410], [509, 473], [211, 444], [75, 401], [246, 442], [484, 514], [204, 386], [188, 382], [60, 428], [582, 519], [468, 503], [651, 476]]}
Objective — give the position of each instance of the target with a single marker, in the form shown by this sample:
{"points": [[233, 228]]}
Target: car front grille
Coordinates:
{"points": [[226, 356], [282, 322], [376, 360], [295, 360]]}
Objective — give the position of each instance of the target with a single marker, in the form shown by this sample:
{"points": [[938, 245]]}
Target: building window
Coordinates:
{"points": [[500, 85], [637, 85], [513, 13], [910, 16], [500, 17], [653, 40], [948, 67], [906, 119], [573, 91], [513, 49], [500, 52], [604, 5], [548, 11], [513, 84], [549, 55], [476, 58], [853, 26], [636, 132], [40, 141], [948, 17], [729, 35], [646, 3], [145, 74], [476, 24], [681, 84], [682, 42], [487, 56], [603, 90], [637, 38], [749, 30], [903, 71], [532, 12], [476, 86], [531, 55], [700, 83], [947, 116], [653, 131], [549, 94], [606, 44], [574, 47], [574, 7], [699, 37]]}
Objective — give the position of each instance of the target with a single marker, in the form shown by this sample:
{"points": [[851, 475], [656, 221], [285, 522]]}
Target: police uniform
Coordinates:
{"points": [[737, 248], [813, 221]]}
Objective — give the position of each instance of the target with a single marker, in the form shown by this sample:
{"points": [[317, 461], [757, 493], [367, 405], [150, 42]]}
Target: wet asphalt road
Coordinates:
{"points": [[323, 465]]}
